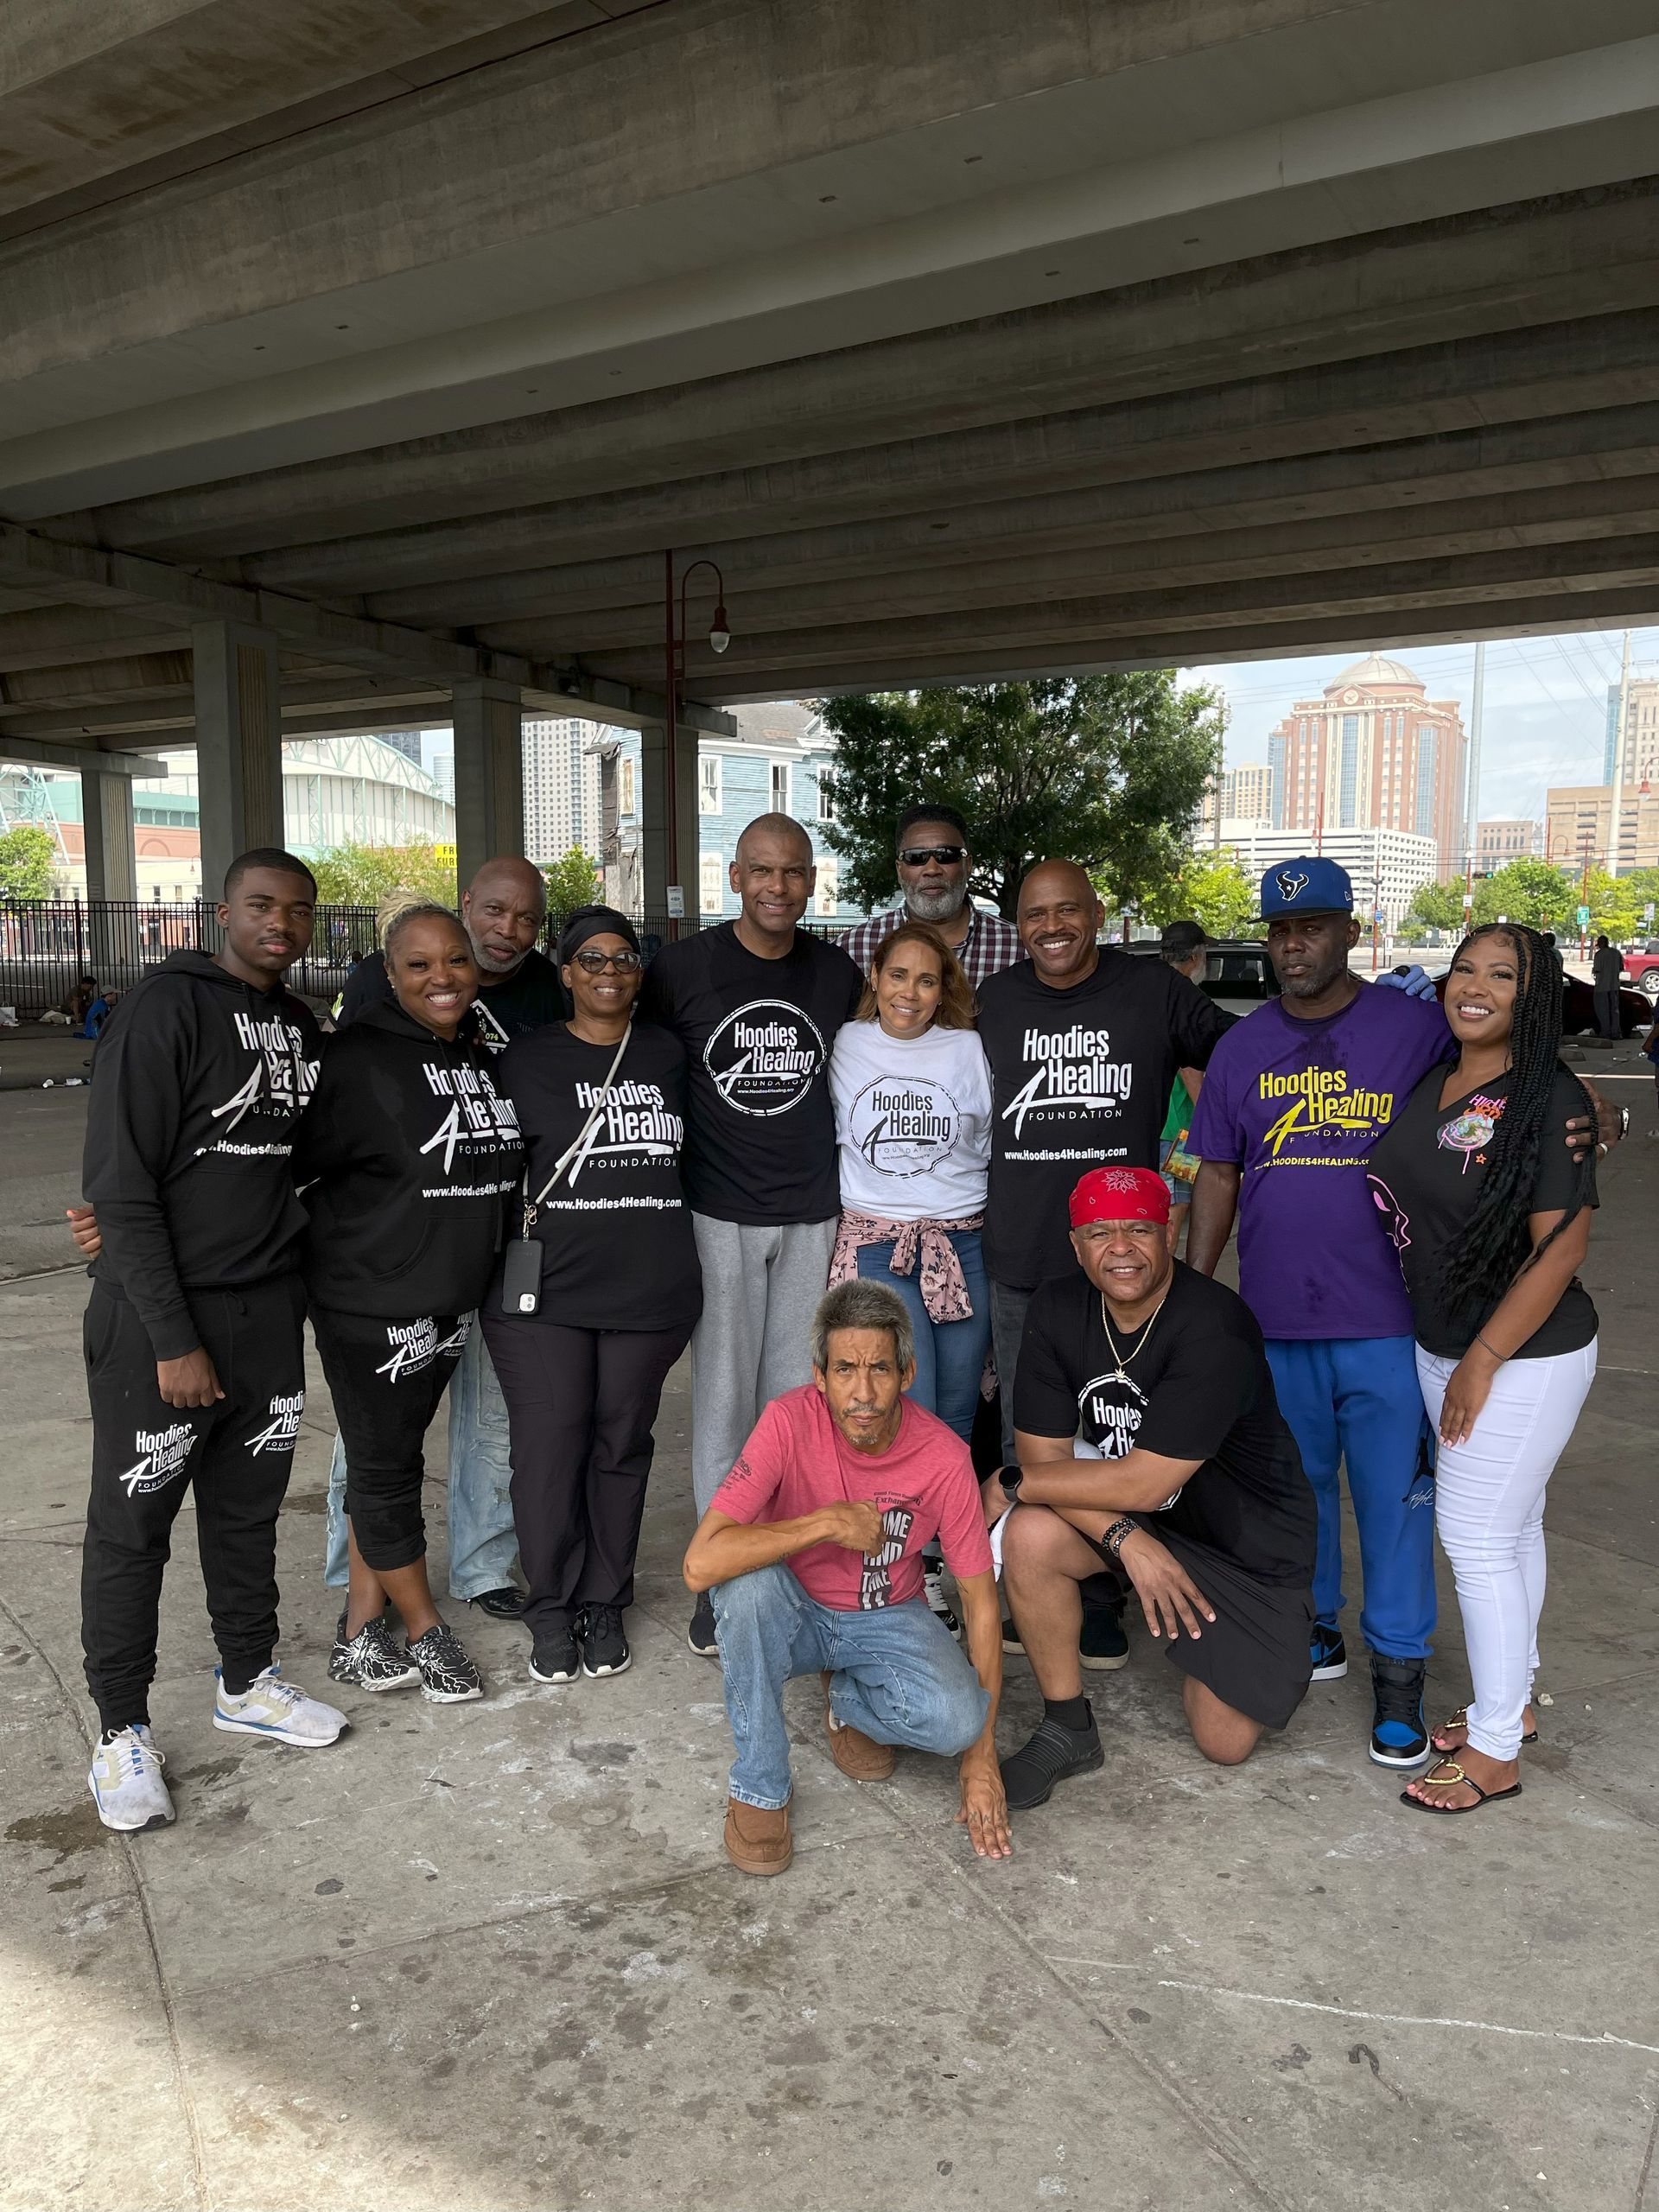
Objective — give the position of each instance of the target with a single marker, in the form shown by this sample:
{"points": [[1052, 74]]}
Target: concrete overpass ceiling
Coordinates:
{"points": [[968, 340]]}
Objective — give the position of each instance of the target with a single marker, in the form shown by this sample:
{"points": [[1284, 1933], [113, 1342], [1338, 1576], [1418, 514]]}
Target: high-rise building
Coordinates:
{"points": [[1503, 839], [1375, 752], [1641, 731], [1580, 826], [562, 794], [406, 741], [1384, 866], [1245, 793]]}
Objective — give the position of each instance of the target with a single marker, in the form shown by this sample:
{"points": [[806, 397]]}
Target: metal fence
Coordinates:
{"points": [[47, 944]]}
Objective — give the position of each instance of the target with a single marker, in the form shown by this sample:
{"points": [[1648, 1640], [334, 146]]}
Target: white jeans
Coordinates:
{"points": [[1488, 1509]]}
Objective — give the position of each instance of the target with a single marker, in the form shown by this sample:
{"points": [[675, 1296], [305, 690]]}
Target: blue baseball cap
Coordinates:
{"points": [[1307, 886]]}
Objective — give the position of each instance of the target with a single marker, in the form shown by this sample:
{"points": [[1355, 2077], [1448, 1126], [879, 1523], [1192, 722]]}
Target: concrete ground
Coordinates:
{"points": [[493, 1956]]}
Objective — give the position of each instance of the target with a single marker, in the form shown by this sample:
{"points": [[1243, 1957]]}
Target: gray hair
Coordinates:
{"points": [[861, 1305]]}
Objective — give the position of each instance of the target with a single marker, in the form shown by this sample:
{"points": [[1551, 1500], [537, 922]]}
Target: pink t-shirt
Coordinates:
{"points": [[797, 1459]]}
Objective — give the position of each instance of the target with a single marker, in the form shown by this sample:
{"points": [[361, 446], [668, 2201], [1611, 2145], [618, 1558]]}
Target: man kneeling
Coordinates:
{"points": [[1150, 1438], [813, 1548]]}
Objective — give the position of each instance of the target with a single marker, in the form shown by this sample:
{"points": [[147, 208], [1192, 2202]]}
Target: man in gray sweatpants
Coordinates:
{"points": [[756, 1002]]}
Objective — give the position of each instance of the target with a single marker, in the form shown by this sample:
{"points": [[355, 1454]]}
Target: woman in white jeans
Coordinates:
{"points": [[1490, 1216]]}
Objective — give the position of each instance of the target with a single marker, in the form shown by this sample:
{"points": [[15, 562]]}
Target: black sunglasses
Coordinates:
{"points": [[946, 855], [595, 963]]}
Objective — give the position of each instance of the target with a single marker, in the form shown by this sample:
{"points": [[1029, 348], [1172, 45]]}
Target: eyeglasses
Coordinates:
{"points": [[595, 963], [946, 855]]}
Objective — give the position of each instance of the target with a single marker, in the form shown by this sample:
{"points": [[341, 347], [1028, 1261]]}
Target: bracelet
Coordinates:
{"points": [[1502, 1358], [1115, 1536]]}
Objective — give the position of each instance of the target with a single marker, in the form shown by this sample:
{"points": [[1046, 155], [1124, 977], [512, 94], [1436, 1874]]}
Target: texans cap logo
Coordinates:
{"points": [[1290, 887]]}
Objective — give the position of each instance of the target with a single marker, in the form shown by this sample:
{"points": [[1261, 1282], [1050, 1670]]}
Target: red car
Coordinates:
{"points": [[1642, 968]]}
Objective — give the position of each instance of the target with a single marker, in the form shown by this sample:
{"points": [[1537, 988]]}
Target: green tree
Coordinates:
{"points": [[572, 881], [361, 875], [1436, 906], [27, 853], [1106, 770], [1209, 887], [1530, 891]]}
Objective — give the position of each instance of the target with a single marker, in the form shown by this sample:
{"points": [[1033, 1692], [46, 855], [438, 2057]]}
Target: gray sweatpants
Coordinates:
{"points": [[760, 1287]]}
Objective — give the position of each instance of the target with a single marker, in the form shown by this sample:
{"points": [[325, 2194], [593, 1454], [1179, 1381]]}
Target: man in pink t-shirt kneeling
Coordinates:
{"points": [[813, 1549]]}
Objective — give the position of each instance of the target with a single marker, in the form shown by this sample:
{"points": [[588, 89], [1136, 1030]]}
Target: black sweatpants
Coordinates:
{"points": [[386, 1378], [237, 1454], [581, 1405]]}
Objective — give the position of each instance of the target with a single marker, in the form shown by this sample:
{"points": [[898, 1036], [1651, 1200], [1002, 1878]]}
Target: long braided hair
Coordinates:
{"points": [[1480, 1265]]}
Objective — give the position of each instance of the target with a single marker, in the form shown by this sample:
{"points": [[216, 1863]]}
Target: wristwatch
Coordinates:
{"points": [[1011, 1478], [1113, 1539]]}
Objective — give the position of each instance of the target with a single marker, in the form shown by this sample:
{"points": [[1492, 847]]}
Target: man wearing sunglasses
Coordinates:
{"points": [[933, 863]]}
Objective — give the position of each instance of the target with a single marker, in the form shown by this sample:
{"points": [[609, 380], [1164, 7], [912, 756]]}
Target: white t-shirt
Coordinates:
{"points": [[912, 1121]]}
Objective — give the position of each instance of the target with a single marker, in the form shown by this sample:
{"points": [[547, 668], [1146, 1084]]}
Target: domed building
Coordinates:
{"points": [[1374, 752]]}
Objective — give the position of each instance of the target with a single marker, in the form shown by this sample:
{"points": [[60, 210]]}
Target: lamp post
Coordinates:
{"points": [[720, 635]]}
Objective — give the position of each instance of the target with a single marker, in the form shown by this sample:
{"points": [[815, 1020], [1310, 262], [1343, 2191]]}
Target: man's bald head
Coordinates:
{"points": [[773, 876], [1059, 919], [504, 908]]}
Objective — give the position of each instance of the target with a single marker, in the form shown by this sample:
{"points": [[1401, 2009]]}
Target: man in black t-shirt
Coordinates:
{"points": [[1149, 1441], [504, 909], [756, 1003]]}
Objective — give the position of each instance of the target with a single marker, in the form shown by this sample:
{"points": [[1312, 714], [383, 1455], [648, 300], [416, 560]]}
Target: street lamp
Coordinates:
{"points": [[720, 635]]}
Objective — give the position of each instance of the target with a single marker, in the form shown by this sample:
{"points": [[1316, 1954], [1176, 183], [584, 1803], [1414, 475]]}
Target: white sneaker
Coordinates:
{"points": [[275, 1708], [933, 1590], [126, 1782]]}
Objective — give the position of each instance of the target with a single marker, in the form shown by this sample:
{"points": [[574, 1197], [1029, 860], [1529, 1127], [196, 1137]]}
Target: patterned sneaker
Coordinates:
{"points": [[447, 1676], [933, 1590], [275, 1708], [373, 1659], [1327, 1655], [556, 1658], [604, 1645], [126, 1781], [1398, 1735]]}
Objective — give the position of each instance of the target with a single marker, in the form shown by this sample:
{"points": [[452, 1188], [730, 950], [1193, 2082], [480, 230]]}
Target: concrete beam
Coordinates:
{"points": [[489, 774], [77, 759], [666, 859], [238, 744], [106, 827], [49, 636]]}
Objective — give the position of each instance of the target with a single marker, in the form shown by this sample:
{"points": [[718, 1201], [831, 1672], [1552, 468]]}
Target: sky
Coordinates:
{"points": [[1545, 716]]}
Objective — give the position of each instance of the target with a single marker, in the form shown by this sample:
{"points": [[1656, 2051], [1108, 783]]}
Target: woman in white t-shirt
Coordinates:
{"points": [[912, 1098]]}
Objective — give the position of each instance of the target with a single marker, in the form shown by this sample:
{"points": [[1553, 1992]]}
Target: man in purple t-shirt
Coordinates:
{"points": [[1293, 1100]]}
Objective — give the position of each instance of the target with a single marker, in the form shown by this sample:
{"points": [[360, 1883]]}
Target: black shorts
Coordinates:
{"points": [[1255, 1654]]}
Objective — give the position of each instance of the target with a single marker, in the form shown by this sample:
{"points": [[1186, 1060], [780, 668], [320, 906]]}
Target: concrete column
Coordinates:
{"points": [[489, 773], [659, 868], [238, 744], [106, 826]]}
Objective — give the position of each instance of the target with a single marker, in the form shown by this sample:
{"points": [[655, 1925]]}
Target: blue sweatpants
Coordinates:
{"points": [[1357, 1400]]}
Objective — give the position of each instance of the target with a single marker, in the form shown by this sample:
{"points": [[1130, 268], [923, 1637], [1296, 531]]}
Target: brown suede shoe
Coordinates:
{"points": [[860, 1757], [758, 1838]]}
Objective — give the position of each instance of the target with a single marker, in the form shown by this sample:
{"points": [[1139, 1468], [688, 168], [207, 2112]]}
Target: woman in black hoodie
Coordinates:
{"points": [[408, 1150]]}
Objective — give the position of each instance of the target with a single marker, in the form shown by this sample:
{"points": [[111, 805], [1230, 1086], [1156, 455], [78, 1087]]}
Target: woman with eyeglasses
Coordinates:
{"points": [[584, 1327], [912, 1099]]}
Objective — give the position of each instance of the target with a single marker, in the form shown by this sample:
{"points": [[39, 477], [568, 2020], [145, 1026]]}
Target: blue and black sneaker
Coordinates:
{"points": [[1327, 1654], [1398, 1735]]}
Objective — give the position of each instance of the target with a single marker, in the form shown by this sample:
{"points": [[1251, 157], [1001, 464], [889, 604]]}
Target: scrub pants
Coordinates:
{"points": [[1355, 1400]]}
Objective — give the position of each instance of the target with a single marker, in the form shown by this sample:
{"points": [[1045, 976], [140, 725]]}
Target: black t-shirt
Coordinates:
{"points": [[761, 1145], [1426, 1173], [528, 999], [617, 1247], [1198, 1388], [1080, 1079]]}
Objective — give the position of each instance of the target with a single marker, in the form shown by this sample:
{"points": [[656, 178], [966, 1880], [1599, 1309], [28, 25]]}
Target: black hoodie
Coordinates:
{"points": [[197, 1083], [412, 1150]]}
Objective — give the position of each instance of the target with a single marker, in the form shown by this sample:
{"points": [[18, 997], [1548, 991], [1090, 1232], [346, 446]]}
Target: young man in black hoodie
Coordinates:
{"points": [[194, 1357]]}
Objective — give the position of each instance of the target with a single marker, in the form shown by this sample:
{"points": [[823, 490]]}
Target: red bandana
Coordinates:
{"points": [[1120, 1194]]}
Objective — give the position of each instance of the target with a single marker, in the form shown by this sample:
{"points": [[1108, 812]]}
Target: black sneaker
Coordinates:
{"points": [[447, 1676], [1398, 1736], [1327, 1655], [555, 1658], [933, 1590], [1102, 1645], [373, 1659], [1053, 1754], [604, 1647], [1011, 1637], [700, 1634]]}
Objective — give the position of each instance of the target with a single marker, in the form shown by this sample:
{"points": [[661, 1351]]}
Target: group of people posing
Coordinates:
{"points": [[844, 1174]]}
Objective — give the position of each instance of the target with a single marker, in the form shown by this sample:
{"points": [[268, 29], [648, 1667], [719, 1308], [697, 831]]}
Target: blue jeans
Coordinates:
{"points": [[482, 1543], [950, 1355], [896, 1675], [1351, 1400]]}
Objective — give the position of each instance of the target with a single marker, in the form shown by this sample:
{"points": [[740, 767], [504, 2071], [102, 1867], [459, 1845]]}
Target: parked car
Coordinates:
{"points": [[1641, 968], [1237, 973]]}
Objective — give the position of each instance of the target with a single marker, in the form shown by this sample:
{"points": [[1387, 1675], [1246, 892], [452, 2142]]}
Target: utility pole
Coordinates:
{"points": [[1615, 823], [1471, 786]]}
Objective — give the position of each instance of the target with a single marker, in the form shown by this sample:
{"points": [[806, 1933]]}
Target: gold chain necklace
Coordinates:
{"points": [[1146, 1332]]}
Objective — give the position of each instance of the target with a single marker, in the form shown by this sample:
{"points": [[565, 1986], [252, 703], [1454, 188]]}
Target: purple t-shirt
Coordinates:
{"points": [[1297, 1106]]}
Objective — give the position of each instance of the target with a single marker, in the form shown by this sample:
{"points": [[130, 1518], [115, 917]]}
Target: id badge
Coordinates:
{"points": [[521, 1277]]}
